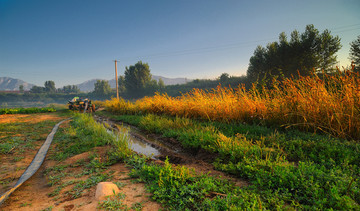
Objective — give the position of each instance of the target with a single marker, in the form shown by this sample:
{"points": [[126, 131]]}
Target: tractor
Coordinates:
{"points": [[79, 104]]}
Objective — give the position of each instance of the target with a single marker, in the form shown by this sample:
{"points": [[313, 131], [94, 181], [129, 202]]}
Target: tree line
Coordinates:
{"points": [[49, 87]]}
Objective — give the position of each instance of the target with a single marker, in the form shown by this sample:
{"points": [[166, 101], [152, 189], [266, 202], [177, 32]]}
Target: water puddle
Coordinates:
{"points": [[135, 143]]}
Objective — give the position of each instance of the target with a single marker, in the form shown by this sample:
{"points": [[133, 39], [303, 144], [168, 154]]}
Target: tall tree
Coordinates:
{"points": [[328, 46], [302, 53], [224, 78], [37, 89], [137, 77], [121, 83], [21, 88], [50, 86], [257, 64], [102, 87], [70, 89], [161, 85], [75, 89], [355, 53]]}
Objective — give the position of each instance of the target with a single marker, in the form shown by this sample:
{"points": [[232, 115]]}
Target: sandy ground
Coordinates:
{"points": [[34, 118], [34, 193]]}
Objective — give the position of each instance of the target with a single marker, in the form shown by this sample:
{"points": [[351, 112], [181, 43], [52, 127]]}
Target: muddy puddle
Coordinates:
{"points": [[135, 143], [142, 143]]}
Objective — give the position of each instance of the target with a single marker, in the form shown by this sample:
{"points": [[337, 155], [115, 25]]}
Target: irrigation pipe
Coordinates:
{"points": [[35, 163]]}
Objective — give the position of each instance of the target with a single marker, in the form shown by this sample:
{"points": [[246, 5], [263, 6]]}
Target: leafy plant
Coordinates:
{"points": [[113, 203]]}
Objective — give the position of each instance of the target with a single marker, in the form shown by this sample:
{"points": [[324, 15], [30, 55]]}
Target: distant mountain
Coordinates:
{"points": [[12, 84], [172, 81], [88, 86]]}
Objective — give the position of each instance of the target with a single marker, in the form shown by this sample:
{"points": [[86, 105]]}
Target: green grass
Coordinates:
{"points": [[83, 135], [113, 203], [285, 168], [179, 188], [20, 136], [25, 110]]}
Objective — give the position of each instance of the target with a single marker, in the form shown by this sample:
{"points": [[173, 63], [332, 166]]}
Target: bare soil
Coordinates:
{"points": [[33, 118], [15, 163], [35, 193]]}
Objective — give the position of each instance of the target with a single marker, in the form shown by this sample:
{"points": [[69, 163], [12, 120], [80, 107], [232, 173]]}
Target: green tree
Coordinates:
{"points": [[75, 89], [151, 87], [355, 53], [161, 85], [224, 78], [102, 87], [50, 86], [37, 89], [21, 88], [70, 89], [121, 83], [257, 66], [301, 54], [137, 77]]}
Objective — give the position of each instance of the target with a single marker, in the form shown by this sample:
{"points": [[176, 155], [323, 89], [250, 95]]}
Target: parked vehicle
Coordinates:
{"points": [[79, 104]]}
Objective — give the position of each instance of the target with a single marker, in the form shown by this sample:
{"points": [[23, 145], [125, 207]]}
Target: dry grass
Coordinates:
{"points": [[330, 104]]}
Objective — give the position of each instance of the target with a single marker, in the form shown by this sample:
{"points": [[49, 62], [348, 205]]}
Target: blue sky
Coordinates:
{"points": [[71, 41]]}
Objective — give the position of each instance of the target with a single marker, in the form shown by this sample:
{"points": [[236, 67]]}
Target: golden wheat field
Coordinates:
{"points": [[330, 104]]}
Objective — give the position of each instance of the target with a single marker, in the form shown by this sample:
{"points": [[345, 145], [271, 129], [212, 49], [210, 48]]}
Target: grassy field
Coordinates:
{"points": [[286, 169], [296, 142]]}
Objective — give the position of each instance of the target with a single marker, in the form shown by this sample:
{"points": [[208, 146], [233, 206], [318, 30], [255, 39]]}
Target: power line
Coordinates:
{"points": [[346, 30], [202, 50], [341, 27], [225, 46]]}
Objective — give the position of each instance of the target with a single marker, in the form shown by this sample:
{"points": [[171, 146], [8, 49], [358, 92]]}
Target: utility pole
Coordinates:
{"points": [[116, 80]]}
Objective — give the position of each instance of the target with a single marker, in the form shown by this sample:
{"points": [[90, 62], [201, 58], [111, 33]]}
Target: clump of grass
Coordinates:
{"points": [[120, 106], [84, 134], [114, 202], [10, 144]]}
